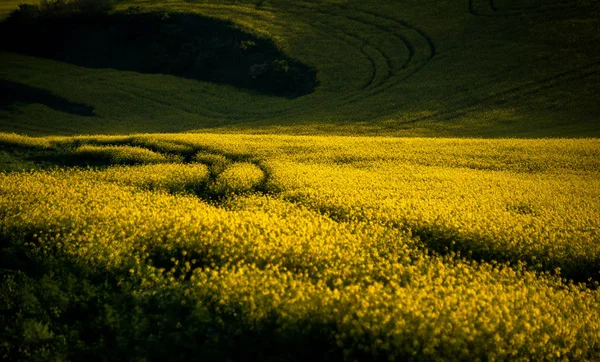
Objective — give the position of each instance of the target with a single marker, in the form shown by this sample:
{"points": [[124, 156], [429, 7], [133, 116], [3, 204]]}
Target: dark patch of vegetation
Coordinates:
{"points": [[30, 158], [184, 45], [13, 93], [55, 310], [15, 158]]}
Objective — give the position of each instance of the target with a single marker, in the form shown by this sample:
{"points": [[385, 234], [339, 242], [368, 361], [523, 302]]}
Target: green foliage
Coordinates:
{"points": [[412, 69], [44, 9], [95, 6], [185, 45], [65, 8], [26, 13]]}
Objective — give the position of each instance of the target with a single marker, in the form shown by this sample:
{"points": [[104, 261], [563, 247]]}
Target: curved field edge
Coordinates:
{"points": [[363, 248], [419, 68]]}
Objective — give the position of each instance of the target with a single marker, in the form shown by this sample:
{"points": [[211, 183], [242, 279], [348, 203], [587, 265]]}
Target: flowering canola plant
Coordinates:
{"points": [[372, 248]]}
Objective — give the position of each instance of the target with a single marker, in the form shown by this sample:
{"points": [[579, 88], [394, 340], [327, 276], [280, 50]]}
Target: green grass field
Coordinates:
{"points": [[417, 68], [435, 198]]}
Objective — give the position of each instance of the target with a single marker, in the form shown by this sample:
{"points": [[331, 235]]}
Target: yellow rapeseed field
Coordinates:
{"points": [[381, 248]]}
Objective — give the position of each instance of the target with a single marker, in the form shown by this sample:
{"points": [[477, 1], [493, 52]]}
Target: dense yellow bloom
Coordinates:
{"points": [[121, 154], [342, 238]]}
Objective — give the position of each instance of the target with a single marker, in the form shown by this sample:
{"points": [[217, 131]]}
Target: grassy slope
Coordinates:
{"points": [[425, 68]]}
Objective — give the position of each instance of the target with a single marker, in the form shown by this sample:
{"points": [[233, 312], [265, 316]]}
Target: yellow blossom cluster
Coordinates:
{"points": [[173, 177], [355, 240], [121, 154], [239, 177]]}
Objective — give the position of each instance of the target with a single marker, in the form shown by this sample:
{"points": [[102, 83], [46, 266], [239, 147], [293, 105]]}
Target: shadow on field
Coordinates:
{"points": [[60, 309], [12, 93], [228, 174], [179, 44]]}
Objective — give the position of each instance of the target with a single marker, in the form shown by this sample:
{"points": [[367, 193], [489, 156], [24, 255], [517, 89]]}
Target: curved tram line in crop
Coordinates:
{"points": [[359, 255], [519, 92], [346, 26], [491, 8], [154, 165]]}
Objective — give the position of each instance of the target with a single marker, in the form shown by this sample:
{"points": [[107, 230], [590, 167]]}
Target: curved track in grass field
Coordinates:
{"points": [[520, 92], [419, 45], [409, 49], [380, 64], [382, 51], [389, 51], [515, 8]]}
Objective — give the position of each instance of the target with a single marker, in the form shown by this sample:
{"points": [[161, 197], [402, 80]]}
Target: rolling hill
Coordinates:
{"points": [[428, 68], [281, 180]]}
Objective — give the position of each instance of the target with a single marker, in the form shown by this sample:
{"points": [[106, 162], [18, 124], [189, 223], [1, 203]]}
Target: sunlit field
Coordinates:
{"points": [[332, 180], [289, 247]]}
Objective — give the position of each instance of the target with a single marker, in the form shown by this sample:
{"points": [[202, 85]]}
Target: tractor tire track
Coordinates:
{"points": [[349, 41], [398, 30], [515, 93], [348, 38], [490, 8], [410, 66], [358, 17], [357, 30], [366, 41]]}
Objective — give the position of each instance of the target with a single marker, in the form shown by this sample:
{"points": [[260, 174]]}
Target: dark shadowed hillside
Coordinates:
{"points": [[472, 68]]}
